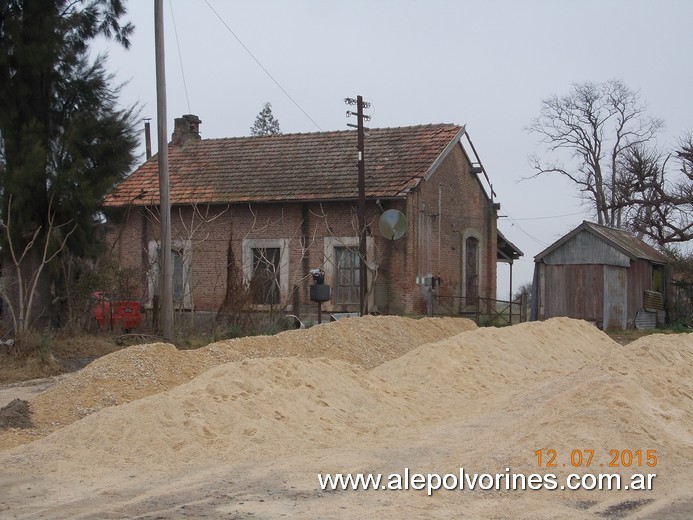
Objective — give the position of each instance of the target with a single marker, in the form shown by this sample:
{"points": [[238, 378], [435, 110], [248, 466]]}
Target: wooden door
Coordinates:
{"points": [[615, 297], [472, 270]]}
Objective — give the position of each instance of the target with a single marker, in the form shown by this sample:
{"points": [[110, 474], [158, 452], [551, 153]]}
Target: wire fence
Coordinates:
{"points": [[484, 311]]}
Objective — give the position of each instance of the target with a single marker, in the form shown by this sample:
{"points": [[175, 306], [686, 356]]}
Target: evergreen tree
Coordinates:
{"points": [[64, 142], [265, 123]]}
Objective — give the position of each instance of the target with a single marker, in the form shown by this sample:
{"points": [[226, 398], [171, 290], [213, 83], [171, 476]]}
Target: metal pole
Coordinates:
{"points": [[429, 275], [362, 210], [166, 278], [147, 140], [511, 292]]}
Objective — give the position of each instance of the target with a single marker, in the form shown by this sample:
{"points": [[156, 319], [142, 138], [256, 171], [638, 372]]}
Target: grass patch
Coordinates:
{"points": [[44, 354], [626, 336]]}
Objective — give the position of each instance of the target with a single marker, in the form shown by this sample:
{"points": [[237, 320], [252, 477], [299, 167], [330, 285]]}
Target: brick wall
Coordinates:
{"points": [[442, 211]]}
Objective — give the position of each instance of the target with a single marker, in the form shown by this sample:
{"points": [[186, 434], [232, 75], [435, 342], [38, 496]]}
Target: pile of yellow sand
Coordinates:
{"points": [[485, 399], [142, 370], [559, 384]]}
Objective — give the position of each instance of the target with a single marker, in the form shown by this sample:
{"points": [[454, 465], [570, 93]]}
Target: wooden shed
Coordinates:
{"points": [[603, 275]]}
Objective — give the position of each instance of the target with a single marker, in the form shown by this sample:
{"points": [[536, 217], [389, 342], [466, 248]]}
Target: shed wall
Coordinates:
{"points": [[573, 290], [639, 279], [585, 248], [615, 297]]}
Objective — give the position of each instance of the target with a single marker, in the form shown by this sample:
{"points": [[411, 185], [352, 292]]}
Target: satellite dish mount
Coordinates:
{"points": [[393, 224]]}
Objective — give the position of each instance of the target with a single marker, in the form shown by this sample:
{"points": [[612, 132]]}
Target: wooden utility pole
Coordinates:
{"points": [[165, 270], [363, 251]]}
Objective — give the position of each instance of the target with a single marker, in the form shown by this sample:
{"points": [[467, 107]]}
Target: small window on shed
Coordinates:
{"points": [[658, 278]]}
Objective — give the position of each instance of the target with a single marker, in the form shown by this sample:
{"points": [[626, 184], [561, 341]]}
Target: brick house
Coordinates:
{"points": [[269, 209]]}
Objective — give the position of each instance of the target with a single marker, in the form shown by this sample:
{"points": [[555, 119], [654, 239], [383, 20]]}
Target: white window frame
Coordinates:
{"points": [[329, 245], [265, 243], [153, 275]]}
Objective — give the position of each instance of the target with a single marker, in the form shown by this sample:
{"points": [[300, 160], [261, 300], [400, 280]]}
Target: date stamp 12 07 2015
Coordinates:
{"points": [[585, 458]]}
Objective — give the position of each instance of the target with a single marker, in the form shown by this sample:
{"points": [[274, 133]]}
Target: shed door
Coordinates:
{"points": [[615, 297]]}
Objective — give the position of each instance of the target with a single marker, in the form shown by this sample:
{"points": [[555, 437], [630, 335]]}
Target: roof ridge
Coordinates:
{"points": [[636, 242], [610, 228], [329, 132], [309, 166]]}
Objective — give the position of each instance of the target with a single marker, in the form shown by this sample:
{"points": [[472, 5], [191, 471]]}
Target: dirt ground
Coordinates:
{"points": [[241, 429], [27, 390]]}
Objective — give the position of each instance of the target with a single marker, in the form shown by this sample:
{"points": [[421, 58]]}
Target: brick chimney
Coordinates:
{"points": [[186, 129]]}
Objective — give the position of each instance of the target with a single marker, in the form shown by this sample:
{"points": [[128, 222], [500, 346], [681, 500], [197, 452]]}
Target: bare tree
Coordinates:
{"points": [[525, 288], [29, 266], [253, 282], [195, 231], [659, 202], [596, 124], [191, 230]]}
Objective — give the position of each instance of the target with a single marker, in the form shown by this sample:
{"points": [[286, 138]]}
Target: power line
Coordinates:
{"points": [[514, 222], [262, 67], [552, 216], [538, 241], [180, 57]]}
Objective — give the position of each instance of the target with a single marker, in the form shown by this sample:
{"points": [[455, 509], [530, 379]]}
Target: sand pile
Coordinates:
{"points": [[118, 378], [637, 397], [493, 361], [367, 341], [238, 411], [484, 399], [560, 383], [142, 370]]}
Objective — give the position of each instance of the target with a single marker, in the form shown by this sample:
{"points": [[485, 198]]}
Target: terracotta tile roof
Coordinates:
{"points": [[291, 167]]}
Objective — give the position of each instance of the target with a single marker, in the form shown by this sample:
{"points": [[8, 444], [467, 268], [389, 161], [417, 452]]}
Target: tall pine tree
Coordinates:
{"points": [[63, 140], [265, 122]]}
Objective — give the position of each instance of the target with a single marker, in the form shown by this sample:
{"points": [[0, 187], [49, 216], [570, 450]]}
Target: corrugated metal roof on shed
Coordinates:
{"points": [[623, 241], [630, 243], [586, 248]]}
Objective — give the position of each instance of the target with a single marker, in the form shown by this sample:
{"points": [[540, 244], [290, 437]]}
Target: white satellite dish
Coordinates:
{"points": [[393, 224]]}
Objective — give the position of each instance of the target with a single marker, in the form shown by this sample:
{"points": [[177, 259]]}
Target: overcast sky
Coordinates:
{"points": [[486, 64]]}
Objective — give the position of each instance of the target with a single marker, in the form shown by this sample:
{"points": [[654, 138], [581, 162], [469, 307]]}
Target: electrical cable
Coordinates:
{"points": [[552, 216], [538, 241], [261, 66], [180, 57]]}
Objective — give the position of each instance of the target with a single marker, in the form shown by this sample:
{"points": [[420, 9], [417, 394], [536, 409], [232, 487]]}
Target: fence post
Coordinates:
{"points": [[523, 307]]}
